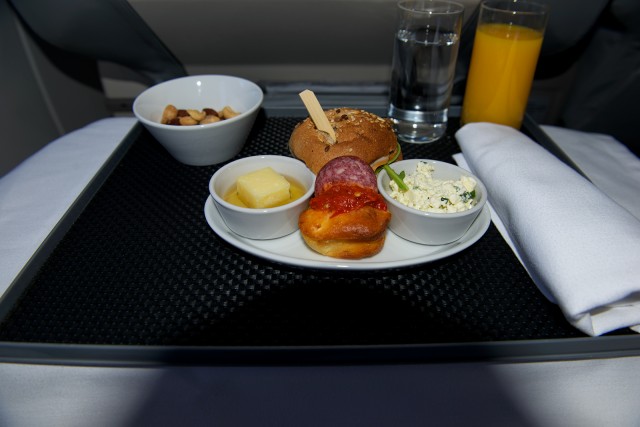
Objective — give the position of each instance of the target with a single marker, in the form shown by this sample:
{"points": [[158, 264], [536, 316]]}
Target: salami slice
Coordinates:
{"points": [[345, 169]]}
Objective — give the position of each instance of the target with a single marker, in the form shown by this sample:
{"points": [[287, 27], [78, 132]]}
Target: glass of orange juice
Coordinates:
{"points": [[503, 61]]}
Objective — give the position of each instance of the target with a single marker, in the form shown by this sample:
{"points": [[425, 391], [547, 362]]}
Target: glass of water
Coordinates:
{"points": [[423, 68]]}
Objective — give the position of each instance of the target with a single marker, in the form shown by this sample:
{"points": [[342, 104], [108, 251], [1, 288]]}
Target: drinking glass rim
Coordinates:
{"points": [[536, 8], [438, 7]]}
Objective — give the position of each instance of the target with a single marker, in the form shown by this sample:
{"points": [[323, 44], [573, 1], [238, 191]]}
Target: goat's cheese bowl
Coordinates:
{"points": [[441, 203]]}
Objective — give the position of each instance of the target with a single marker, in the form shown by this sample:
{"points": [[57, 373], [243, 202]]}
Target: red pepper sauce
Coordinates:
{"points": [[341, 198]]}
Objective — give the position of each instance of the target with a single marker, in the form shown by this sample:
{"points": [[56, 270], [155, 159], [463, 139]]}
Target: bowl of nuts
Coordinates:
{"points": [[200, 120]]}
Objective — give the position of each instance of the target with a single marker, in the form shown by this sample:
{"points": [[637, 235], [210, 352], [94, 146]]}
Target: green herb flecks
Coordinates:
{"points": [[466, 196]]}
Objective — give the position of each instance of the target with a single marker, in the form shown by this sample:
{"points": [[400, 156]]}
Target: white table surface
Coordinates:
{"points": [[591, 392]]}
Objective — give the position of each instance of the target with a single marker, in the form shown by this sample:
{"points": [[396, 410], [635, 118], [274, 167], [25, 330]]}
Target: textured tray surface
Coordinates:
{"points": [[141, 266]]}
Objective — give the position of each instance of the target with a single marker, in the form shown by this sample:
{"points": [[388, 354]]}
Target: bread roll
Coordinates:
{"points": [[358, 133], [350, 235], [347, 217]]}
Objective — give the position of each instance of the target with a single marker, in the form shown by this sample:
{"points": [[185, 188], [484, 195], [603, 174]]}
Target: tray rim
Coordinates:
{"points": [[521, 351]]}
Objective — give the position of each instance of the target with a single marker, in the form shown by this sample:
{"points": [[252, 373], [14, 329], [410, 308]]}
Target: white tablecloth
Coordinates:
{"points": [[607, 163], [37, 193], [585, 393]]}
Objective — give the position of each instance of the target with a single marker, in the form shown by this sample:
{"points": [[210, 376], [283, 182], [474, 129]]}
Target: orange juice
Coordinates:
{"points": [[503, 62]]}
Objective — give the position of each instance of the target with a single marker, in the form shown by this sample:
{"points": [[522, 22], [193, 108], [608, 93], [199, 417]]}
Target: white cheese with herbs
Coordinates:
{"points": [[433, 195]]}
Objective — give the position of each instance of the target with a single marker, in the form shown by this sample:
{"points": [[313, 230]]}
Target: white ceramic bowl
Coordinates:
{"points": [[429, 228], [201, 145], [262, 224]]}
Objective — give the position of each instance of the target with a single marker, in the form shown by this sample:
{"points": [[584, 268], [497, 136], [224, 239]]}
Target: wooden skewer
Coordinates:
{"points": [[317, 114]]}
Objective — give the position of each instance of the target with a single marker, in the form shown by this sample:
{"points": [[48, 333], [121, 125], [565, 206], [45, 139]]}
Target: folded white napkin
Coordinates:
{"points": [[579, 246]]}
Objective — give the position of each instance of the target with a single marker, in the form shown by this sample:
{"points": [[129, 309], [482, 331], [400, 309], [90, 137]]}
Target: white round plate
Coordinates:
{"points": [[396, 252]]}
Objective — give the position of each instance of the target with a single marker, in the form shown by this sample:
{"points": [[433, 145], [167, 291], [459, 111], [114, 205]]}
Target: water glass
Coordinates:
{"points": [[423, 68]]}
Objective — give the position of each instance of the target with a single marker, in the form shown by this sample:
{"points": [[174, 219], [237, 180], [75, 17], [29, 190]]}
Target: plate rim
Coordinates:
{"points": [[477, 229]]}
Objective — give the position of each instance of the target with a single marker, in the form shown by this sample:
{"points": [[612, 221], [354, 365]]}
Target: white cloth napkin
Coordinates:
{"points": [[36, 194], [579, 246]]}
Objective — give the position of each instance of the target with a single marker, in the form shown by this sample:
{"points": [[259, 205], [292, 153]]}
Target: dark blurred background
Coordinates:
{"points": [[67, 63]]}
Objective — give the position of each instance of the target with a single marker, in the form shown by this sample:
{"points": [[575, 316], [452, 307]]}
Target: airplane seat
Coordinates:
{"points": [[107, 30], [606, 87], [51, 54]]}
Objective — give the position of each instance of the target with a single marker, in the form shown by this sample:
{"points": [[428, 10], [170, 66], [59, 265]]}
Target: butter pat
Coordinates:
{"points": [[264, 188]]}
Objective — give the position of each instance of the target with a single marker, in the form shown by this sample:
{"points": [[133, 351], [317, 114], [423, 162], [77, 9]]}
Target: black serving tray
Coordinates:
{"points": [[135, 275]]}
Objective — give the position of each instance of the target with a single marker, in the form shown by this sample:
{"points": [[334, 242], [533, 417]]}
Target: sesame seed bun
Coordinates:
{"points": [[358, 133]]}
